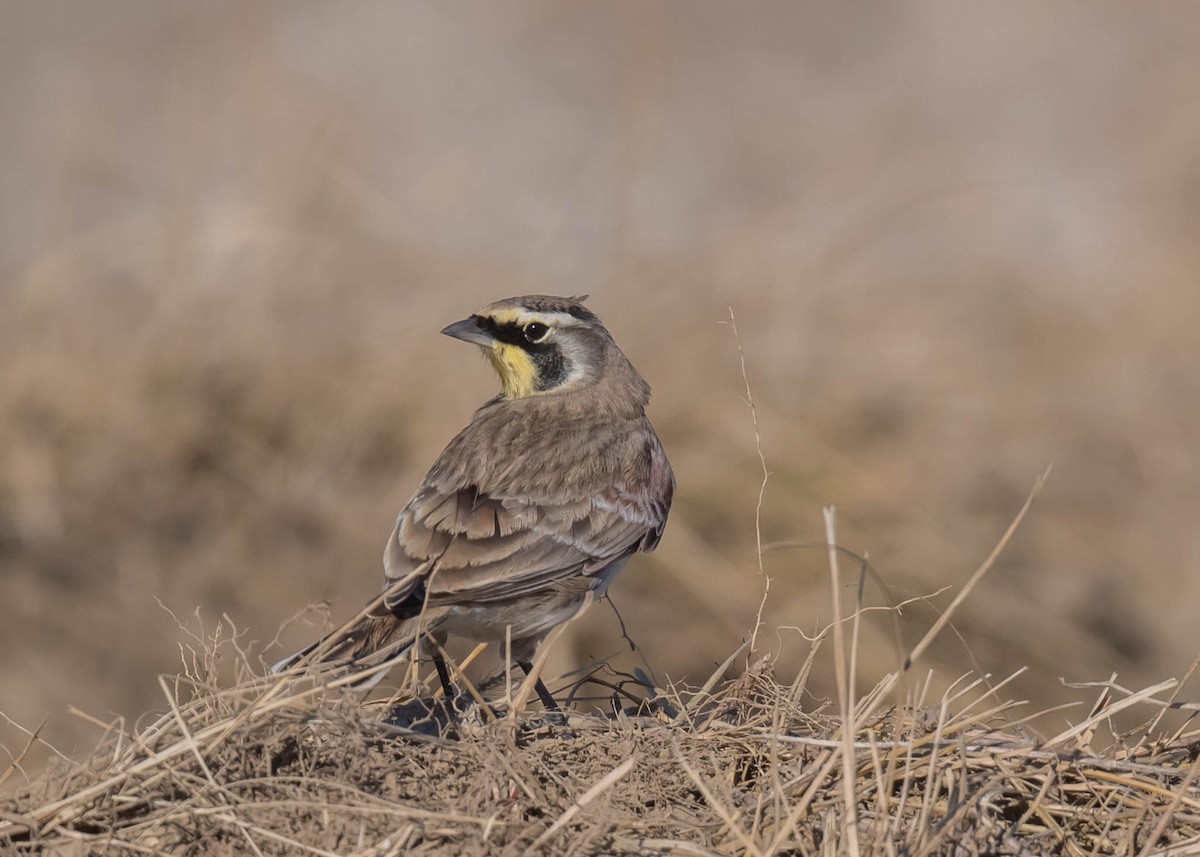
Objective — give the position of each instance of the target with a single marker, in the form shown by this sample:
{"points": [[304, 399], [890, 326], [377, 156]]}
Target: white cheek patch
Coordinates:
{"points": [[575, 360]]}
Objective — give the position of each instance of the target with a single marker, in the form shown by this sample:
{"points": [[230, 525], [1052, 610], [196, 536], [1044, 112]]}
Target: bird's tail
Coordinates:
{"points": [[370, 643]]}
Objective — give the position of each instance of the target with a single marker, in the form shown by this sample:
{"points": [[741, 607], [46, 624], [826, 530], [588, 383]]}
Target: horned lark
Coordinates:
{"points": [[532, 509]]}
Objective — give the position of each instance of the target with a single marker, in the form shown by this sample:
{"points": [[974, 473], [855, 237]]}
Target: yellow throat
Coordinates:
{"points": [[518, 375]]}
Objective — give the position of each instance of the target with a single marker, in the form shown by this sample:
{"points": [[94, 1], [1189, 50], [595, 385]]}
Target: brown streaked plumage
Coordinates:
{"points": [[533, 508]]}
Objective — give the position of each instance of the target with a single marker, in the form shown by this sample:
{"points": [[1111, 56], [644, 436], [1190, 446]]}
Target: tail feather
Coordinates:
{"points": [[294, 658], [376, 637], [366, 643]]}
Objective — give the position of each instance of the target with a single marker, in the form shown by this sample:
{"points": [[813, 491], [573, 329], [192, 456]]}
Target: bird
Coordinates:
{"points": [[531, 511]]}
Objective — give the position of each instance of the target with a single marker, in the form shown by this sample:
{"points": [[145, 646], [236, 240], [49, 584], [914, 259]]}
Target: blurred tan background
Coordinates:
{"points": [[961, 241]]}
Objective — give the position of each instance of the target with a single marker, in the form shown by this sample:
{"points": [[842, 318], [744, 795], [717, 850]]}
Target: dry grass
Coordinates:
{"points": [[744, 769], [753, 765]]}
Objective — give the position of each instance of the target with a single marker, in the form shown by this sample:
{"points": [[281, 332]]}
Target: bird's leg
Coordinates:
{"points": [[544, 695], [443, 672]]}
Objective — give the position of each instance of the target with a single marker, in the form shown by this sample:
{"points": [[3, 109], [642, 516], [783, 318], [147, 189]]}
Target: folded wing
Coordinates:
{"points": [[486, 546]]}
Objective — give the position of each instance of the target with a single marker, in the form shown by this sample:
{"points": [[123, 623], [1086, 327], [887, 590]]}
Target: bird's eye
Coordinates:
{"points": [[535, 331]]}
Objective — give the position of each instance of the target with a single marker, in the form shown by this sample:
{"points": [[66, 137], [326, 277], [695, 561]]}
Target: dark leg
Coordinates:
{"points": [[444, 676], [548, 701]]}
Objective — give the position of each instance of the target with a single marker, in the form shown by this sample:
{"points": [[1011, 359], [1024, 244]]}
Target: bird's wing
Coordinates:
{"points": [[489, 546]]}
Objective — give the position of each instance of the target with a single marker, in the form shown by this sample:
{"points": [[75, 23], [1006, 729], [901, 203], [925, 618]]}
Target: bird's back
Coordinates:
{"points": [[532, 492]]}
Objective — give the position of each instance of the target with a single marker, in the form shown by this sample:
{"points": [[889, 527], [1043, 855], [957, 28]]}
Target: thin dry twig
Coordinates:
{"points": [[845, 690], [762, 488], [974, 579]]}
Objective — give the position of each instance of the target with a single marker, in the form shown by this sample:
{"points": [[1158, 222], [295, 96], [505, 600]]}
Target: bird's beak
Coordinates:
{"points": [[469, 330]]}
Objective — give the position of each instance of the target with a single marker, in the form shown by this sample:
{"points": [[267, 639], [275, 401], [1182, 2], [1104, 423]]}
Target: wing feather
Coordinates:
{"points": [[491, 544]]}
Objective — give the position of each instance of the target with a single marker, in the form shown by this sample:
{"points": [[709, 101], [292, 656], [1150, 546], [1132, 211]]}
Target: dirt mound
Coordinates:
{"points": [[751, 765]]}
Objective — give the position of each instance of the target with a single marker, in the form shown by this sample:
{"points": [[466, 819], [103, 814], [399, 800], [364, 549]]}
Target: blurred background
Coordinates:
{"points": [[960, 241]]}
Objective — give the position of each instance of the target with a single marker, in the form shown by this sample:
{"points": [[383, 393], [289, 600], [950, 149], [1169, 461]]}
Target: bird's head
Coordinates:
{"points": [[541, 344]]}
